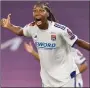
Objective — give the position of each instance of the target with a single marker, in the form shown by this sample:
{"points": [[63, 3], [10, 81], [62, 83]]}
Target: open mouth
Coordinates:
{"points": [[38, 21]]}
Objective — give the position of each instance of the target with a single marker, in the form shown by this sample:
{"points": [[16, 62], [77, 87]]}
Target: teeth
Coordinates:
{"points": [[39, 22]]}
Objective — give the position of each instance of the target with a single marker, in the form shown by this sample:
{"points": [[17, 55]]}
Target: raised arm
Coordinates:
{"points": [[29, 48], [5, 22]]}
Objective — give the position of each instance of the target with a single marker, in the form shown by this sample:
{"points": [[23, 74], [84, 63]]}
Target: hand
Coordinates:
{"points": [[29, 47], [5, 22]]}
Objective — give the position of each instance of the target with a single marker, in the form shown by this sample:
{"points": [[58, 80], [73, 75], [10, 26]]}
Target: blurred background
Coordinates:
{"points": [[19, 68]]}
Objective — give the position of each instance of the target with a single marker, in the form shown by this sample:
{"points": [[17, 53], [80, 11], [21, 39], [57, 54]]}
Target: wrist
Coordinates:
{"points": [[33, 52]]}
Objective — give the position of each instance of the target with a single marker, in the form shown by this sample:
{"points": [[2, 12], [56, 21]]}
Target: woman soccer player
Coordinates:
{"points": [[54, 42]]}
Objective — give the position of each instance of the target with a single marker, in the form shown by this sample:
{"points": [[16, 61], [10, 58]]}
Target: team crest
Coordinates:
{"points": [[53, 37]]}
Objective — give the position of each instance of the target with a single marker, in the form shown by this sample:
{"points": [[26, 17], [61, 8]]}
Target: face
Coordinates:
{"points": [[40, 15]]}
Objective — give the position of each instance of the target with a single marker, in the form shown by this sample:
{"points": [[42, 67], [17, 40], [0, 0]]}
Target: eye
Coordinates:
{"points": [[42, 10], [34, 10]]}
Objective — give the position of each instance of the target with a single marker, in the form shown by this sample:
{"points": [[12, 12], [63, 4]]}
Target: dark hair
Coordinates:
{"points": [[46, 6]]}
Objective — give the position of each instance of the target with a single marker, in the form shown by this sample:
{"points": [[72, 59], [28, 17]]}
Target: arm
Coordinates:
{"points": [[29, 48], [7, 24], [72, 39], [80, 60], [82, 67], [83, 44], [35, 54]]}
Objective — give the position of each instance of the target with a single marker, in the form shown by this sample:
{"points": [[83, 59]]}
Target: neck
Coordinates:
{"points": [[44, 26]]}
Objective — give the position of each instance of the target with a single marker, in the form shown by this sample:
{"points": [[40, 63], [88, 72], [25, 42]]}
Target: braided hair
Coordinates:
{"points": [[47, 8]]}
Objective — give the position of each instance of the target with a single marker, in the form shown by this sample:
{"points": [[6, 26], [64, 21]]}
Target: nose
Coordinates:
{"points": [[37, 13]]}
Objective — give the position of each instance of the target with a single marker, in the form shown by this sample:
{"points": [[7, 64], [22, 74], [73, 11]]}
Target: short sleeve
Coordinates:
{"points": [[69, 37], [27, 31]]}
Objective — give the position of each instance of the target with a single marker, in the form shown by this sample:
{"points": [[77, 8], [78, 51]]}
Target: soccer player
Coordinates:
{"points": [[54, 42]]}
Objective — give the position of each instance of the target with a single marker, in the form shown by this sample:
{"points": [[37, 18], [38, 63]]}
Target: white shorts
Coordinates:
{"points": [[79, 81], [71, 83]]}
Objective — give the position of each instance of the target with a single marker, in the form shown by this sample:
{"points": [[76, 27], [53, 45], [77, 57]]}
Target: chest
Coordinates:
{"points": [[47, 39]]}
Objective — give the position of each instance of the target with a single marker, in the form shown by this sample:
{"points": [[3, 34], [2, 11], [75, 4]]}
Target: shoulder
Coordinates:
{"points": [[30, 27], [31, 24], [60, 26]]}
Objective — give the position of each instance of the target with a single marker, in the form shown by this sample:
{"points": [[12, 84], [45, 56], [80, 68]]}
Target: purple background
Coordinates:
{"points": [[19, 68]]}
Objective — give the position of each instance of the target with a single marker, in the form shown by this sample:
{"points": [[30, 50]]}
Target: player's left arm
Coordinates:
{"points": [[81, 61], [72, 39], [83, 44], [83, 67]]}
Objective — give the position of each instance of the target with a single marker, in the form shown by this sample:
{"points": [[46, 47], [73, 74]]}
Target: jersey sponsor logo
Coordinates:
{"points": [[45, 45], [59, 26], [72, 36], [53, 37]]}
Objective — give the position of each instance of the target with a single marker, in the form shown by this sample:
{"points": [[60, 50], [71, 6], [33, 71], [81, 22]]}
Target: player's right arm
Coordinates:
{"points": [[5, 22], [29, 48]]}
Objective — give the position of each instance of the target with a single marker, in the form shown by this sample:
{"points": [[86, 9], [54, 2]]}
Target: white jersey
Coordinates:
{"points": [[54, 47], [79, 59]]}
